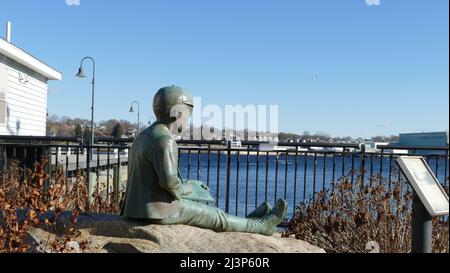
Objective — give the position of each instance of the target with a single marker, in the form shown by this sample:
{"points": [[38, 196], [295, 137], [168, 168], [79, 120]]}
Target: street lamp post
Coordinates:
{"points": [[138, 114], [81, 74], [89, 155]]}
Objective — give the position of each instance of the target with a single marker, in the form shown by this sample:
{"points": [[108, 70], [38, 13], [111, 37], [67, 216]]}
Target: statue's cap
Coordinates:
{"points": [[169, 96], [172, 95]]}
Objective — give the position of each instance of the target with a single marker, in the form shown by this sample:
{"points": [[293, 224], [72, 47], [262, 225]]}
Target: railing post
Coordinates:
{"points": [[48, 155], [381, 162], [227, 200], [362, 169], [108, 167], [88, 172], [119, 178], [67, 163]]}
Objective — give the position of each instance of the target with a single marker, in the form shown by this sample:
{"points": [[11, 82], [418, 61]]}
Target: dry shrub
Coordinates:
{"points": [[32, 199], [358, 219], [77, 197], [104, 204]]}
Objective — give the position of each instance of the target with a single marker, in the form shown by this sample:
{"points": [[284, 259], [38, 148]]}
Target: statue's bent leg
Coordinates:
{"points": [[204, 216]]}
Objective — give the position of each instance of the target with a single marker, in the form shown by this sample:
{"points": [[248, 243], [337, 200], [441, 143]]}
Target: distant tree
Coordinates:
{"points": [[390, 139], [394, 138], [64, 120], [102, 134], [78, 132], [117, 131], [109, 125], [87, 134], [127, 127], [346, 139], [323, 136], [287, 137], [84, 122], [53, 118], [379, 138]]}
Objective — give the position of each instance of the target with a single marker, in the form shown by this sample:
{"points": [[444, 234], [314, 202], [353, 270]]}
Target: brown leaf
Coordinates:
{"points": [[32, 214], [42, 208]]}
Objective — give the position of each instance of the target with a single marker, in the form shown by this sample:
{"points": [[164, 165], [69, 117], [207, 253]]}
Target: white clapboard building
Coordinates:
{"points": [[23, 90]]}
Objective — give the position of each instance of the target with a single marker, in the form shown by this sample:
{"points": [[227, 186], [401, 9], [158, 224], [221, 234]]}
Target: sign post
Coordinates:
{"points": [[422, 228], [429, 200]]}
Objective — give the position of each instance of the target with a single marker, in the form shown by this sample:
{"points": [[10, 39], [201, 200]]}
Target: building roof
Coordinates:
{"points": [[442, 133], [22, 57]]}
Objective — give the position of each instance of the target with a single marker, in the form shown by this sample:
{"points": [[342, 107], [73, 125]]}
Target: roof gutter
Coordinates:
{"points": [[20, 56]]}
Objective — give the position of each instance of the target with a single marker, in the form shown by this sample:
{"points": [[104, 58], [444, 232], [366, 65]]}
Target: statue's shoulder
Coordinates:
{"points": [[155, 138], [161, 138], [164, 141]]}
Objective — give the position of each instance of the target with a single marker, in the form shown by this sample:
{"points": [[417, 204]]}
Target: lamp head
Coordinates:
{"points": [[80, 73], [131, 109]]}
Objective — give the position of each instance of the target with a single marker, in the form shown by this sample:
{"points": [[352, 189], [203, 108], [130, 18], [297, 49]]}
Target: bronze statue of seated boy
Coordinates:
{"points": [[156, 192]]}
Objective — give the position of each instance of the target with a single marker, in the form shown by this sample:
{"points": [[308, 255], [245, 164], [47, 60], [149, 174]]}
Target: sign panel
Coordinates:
{"points": [[425, 184]]}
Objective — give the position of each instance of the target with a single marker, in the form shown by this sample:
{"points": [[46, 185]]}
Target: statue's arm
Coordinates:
{"points": [[165, 161]]}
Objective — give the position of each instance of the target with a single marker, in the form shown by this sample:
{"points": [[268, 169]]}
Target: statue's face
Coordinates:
{"points": [[181, 112]]}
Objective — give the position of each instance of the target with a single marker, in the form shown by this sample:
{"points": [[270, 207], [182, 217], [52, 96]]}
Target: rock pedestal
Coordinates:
{"points": [[113, 234]]}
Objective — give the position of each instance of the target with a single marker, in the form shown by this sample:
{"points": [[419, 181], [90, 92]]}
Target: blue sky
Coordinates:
{"points": [[380, 69]]}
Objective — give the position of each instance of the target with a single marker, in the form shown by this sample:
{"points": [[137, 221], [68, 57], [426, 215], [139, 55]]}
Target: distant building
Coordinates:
{"points": [[236, 144], [432, 139], [373, 146], [23, 91]]}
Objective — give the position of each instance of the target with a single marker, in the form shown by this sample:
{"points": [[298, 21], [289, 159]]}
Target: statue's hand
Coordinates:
{"points": [[187, 188], [196, 190]]}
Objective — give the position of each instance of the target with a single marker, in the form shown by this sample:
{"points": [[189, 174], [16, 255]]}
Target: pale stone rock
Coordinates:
{"points": [[113, 234]]}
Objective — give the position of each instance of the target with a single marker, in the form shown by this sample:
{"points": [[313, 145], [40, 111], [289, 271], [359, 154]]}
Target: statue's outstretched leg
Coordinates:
{"points": [[204, 216]]}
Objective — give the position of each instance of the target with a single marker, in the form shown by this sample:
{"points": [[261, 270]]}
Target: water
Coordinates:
{"points": [[250, 188]]}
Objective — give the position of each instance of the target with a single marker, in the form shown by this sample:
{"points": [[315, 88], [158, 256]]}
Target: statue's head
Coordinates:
{"points": [[173, 104]]}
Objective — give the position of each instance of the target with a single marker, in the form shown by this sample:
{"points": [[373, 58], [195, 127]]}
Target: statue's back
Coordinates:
{"points": [[145, 198]]}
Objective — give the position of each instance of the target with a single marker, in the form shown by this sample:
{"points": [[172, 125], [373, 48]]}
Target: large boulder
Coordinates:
{"points": [[113, 234]]}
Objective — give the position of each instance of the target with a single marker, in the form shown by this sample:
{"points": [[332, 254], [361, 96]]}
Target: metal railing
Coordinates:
{"points": [[239, 177]]}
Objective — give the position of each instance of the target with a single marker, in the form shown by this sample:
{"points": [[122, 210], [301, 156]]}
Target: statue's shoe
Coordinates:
{"points": [[266, 225], [281, 209], [261, 211], [276, 216]]}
